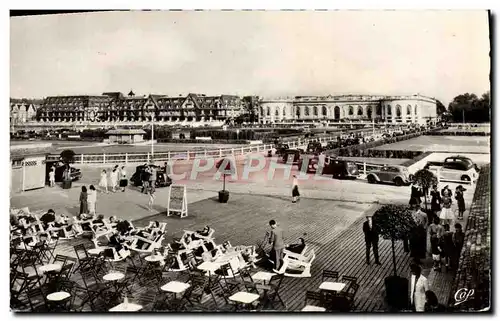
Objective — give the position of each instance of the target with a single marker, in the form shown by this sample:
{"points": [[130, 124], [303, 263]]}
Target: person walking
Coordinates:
{"points": [[145, 178], [436, 232], [295, 189], [84, 208], [278, 244], [459, 196], [446, 215], [416, 193], [113, 177], [123, 179], [458, 243], [153, 176], [52, 177], [103, 183], [435, 200], [371, 239], [418, 237], [152, 197], [92, 200], [418, 286]]}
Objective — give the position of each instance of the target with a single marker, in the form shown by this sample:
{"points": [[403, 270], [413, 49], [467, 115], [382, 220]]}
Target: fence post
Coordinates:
{"points": [[220, 152], [81, 159], [104, 158], [232, 151], [126, 158], [188, 155], [205, 153], [364, 168], [242, 151], [148, 158], [168, 155]]}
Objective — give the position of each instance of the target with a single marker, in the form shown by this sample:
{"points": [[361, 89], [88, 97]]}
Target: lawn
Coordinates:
{"points": [[470, 144]]}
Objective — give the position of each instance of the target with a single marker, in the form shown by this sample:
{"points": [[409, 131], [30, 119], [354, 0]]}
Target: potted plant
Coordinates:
{"points": [[426, 179], [226, 167], [67, 157], [394, 223]]}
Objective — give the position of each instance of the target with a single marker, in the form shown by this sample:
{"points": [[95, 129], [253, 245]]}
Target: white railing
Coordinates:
{"points": [[126, 158]]}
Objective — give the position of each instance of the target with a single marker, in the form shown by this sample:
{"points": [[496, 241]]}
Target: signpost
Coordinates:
{"points": [[177, 201]]}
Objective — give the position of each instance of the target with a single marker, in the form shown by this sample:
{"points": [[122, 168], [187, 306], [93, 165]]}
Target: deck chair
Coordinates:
{"points": [[138, 244], [290, 253], [298, 265]]}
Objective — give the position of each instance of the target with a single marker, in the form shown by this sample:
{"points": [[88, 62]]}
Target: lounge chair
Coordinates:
{"points": [[297, 265]]}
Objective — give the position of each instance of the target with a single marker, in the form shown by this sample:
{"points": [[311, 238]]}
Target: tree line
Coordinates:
{"points": [[468, 108]]}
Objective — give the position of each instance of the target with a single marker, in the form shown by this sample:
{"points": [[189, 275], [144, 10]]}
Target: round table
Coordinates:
{"points": [[95, 251], [50, 267], [58, 296], [114, 276], [154, 258]]}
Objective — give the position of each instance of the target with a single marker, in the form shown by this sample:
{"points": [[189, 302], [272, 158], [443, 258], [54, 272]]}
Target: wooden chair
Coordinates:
{"points": [[328, 274], [37, 300], [84, 259], [151, 244], [316, 298], [271, 295]]}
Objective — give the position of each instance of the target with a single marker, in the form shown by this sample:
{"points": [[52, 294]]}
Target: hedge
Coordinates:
{"points": [[198, 141], [458, 133]]}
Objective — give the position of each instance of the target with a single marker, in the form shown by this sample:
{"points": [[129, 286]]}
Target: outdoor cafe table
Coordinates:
{"points": [[175, 287], [154, 258], [312, 308], [57, 299], [209, 267], [263, 276], [114, 277], [50, 267], [244, 298], [126, 307], [332, 286], [95, 251]]}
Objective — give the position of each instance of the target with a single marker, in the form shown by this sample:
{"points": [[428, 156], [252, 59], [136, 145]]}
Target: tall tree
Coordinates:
{"points": [[440, 108], [469, 108]]}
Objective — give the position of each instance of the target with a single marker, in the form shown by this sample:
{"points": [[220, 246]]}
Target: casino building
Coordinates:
{"points": [[115, 107], [348, 109]]}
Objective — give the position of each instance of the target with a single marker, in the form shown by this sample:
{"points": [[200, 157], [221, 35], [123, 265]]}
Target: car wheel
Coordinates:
{"points": [[465, 178], [371, 179], [398, 181]]}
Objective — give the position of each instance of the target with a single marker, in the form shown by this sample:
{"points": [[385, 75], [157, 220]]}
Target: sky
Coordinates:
{"points": [[439, 54]]}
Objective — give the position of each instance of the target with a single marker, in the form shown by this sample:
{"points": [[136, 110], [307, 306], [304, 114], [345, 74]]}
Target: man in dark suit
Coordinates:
{"points": [[278, 244], [371, 239]]}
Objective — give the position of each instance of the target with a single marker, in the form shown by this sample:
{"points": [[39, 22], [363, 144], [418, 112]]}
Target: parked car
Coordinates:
{"points": [[76, 174], [464, 159], [162, 179], [340, 168], [454, 171], [314, 147], [396, 174], [296, 155]]}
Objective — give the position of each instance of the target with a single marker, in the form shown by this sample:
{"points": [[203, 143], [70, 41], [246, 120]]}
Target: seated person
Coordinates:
{"points": [[123, 227], [205, 232], [47, 218], [297, 247], [99, 220], [85, 216], [117, 242]]}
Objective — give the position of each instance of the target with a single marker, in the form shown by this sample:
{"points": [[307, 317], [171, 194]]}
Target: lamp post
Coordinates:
{"points": [[152, 138]]}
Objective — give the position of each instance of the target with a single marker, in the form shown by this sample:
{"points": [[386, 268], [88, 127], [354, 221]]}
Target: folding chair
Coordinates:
{"points": [[227, 274], [85, 261], [37, 300], [316, 298], [328, 274], [271, 290]]}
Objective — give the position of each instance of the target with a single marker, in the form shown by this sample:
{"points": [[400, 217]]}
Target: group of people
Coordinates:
{"points": [[117, 178]]}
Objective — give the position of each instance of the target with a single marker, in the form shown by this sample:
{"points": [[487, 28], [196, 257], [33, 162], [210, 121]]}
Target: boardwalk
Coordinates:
{"points": [[334, 231]]}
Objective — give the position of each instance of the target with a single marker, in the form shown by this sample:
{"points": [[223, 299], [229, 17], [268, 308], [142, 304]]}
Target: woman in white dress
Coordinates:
{"points": [[103, 183], [92, 199], [113, 176], [446, 215]]}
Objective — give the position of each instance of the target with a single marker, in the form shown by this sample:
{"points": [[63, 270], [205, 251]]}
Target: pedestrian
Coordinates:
{"points": [[151, 198], [418, 237], [52, 177], [92, 200], [458, 243], [123, 179], [371, 239], [416, 193], [436, 232], [153, 176], [84, 208], [432, 304], [278, 244], [459, 196], [113, 177], [435, 200], [295, 189], [446, 214], [103, 183], [447, 247], [145, 178], [418, 286]]}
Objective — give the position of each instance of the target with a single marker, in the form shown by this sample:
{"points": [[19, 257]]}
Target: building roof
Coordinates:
{"points": [[21, 153], [125, 132]]}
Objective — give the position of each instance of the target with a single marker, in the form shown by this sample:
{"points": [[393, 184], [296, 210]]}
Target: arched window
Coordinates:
{"points": [[277, 112], [351, 111], [268, 112], [379, 110], [262, 111], [284, 111], [306, 111], [415, 110], [408, 110], [369, 112], [325, 111], [297, 112], [389, 110], [360, 111], [336, 112], [398, 111], [315, 111]]}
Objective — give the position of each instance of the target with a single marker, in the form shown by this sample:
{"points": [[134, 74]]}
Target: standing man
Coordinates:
{"points": [[418, 238], [371, 239], [276, 239], [418, 286], [145, 178], [152, 177]]}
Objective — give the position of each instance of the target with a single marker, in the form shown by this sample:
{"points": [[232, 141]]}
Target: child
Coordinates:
{"points": [[52, 177], [151, 198]]}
